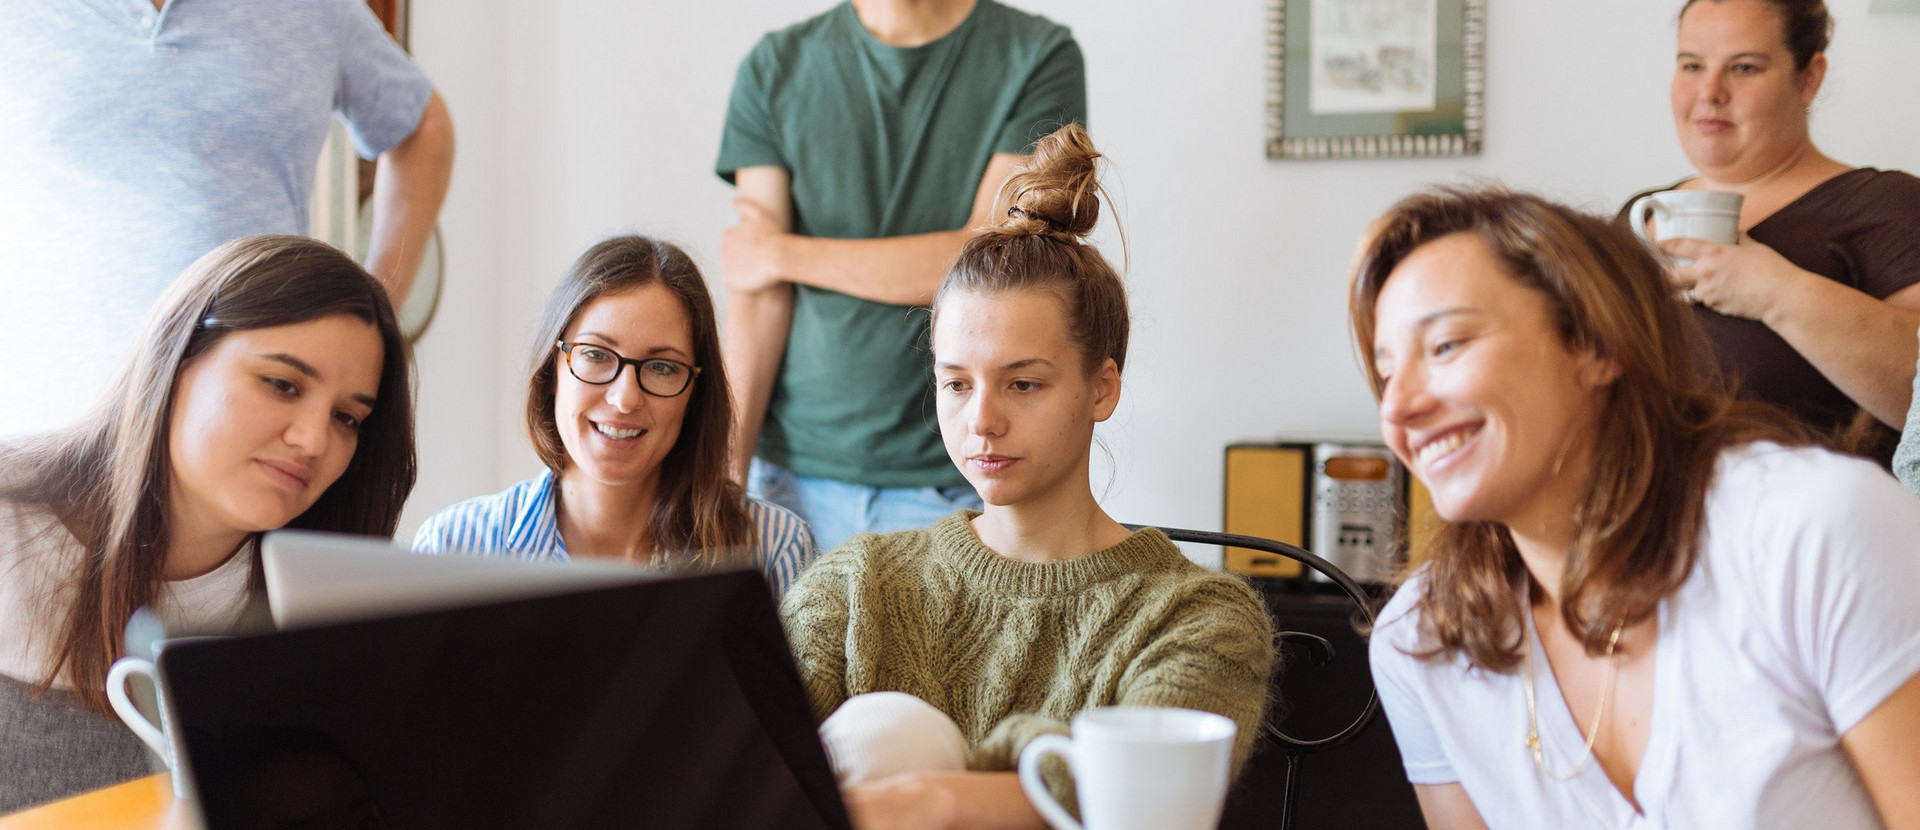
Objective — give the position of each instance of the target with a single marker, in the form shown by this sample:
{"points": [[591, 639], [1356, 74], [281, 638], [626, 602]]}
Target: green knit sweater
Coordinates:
{"points": [[1011, 650]]}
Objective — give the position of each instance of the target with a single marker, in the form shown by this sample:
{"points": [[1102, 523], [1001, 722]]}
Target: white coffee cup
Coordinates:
{"points": [[1137, 768], [1711, 215], [161, 738]]}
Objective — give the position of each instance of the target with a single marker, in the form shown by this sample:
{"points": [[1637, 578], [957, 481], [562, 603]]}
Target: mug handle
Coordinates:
{"points": [[1036, 787], [128, 712], [1640, 212]]}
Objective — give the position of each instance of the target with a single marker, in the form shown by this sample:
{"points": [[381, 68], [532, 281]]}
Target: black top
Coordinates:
{"points": [[1860, 229]]}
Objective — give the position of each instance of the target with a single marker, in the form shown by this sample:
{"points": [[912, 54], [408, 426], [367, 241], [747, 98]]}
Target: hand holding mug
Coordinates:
{"points": [[1744, 280]]}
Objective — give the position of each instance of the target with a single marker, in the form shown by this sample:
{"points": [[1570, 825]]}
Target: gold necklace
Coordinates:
{"points": [[1533, 715]]}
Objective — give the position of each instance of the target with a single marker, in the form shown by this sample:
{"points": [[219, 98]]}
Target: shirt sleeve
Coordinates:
{"points": [[1055, 95], [1396, 676], [1885, 253], [432, 535], [1906, 459], [381, 93], [1835, 568], [784, 543], [816, 612], [750, 138]]}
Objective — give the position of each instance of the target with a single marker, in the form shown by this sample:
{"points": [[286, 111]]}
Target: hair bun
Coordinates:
{"points": [[1057, 190]]}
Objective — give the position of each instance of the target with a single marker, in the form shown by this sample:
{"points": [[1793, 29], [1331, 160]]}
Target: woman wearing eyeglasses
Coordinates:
{"points": [[627, 406]]}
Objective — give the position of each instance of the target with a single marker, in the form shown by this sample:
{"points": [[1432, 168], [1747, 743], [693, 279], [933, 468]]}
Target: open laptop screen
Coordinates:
{"points": [[669, 704]]}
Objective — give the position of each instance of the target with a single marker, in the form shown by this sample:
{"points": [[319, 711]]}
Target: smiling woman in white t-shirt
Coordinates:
{"points": [[1648, 605], [269, 389]]}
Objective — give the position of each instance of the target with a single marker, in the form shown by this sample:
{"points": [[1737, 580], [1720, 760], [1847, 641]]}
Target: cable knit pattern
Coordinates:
{"points": [[1011, 650]]}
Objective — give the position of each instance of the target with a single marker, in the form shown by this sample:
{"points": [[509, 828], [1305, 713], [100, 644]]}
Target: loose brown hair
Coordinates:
{"points": [[1053, 203], [106, 479], [1805, 25], [700, 513], [1662, 426]]}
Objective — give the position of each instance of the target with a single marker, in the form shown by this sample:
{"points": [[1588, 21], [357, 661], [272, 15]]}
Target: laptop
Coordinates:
{"points": [[669, 702], [318, 578]]}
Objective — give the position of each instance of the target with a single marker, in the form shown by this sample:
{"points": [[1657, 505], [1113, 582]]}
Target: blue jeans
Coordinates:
{"points": [[837, 510]]}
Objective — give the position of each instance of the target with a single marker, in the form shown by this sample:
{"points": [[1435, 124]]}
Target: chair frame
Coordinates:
{"points": [[1320, 650]]}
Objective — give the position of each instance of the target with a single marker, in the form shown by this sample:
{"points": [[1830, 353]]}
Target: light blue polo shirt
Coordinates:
{"points": [[133, 140]]}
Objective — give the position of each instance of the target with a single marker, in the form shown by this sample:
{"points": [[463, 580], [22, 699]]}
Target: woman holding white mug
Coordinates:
{"points": [[1815, 309], [269, 389]]}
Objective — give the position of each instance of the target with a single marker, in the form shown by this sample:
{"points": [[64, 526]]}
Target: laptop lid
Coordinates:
{"points": [[318, 578], [669, 703]]}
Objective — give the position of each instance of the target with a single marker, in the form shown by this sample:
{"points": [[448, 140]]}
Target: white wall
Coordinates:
{"points": [[584, 118]]}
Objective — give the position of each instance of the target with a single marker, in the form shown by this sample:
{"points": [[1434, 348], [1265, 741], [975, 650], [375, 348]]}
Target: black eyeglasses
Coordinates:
{"points": [[599, 365]]}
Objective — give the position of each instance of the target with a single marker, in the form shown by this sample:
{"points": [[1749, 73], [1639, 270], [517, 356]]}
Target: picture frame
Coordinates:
{"points": [[1375, 78]]}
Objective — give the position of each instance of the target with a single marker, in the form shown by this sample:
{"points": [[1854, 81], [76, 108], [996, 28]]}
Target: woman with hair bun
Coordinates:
{"points": [[935, 655], [1815, 309]]}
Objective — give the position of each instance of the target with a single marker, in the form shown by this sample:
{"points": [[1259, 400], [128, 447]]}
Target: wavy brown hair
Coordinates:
{"points": [[701, 514], [1053, 202], [107, 477], [1663, 424]]}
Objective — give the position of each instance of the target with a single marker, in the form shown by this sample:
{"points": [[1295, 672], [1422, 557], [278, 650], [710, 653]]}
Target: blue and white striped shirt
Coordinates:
{"points": [[520, 522]]}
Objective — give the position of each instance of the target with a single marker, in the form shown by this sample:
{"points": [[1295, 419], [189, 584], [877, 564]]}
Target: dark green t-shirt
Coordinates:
{"points": [[884, 141]]}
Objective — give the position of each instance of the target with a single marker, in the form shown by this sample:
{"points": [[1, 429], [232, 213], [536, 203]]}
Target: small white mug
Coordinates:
{"points": [[161, 738], [1137, 768], [1711, 215]]}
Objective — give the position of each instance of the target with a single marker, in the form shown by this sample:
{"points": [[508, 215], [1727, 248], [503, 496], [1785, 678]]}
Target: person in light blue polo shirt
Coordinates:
{"points": [[628, 409], [137, 135]]}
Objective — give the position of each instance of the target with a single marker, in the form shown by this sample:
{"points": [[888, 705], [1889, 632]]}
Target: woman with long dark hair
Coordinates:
{"points": [[627, 406], [269, 389]]}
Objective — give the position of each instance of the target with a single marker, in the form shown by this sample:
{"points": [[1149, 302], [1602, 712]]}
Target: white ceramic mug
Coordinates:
{"points": [[1137, 768], [162, 737], [1695, 214]]}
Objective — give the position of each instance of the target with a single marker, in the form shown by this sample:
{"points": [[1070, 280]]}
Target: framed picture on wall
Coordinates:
{"points": [[1375, 78]]}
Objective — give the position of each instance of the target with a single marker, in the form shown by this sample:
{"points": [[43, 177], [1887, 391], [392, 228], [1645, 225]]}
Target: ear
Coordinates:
{"points": [[1811, 78], [1598, 372], [1106, 390]]}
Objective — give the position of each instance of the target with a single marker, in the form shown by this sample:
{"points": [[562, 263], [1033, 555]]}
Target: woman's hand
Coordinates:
{"points": [[909, 801], [1745, 280], [940, 800]]}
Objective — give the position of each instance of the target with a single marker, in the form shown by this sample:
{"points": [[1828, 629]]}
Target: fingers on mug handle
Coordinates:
{"points": [[1036, 787], [128, 712]]}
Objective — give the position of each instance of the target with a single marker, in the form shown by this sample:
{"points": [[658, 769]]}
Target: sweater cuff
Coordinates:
{"points": [[1000, 752]]}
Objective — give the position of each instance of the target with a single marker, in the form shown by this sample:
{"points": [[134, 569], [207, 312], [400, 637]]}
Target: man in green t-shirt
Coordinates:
{"points": [[867, 143]]}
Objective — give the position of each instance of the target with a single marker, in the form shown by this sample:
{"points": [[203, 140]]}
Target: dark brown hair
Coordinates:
{"points": [[1662, 426], [1053, 202], [699, 513], [106, 479], [1805, 25]]}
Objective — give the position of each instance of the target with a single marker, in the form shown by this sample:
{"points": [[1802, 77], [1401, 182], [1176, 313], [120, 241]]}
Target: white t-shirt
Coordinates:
{"points": [[38, 560], [1801, 616]]}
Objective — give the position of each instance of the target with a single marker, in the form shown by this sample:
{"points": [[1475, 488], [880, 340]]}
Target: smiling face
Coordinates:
{"points": [[615, 434], [1016, 404], [1481, 397], [266, 420], [1739, 104]]}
